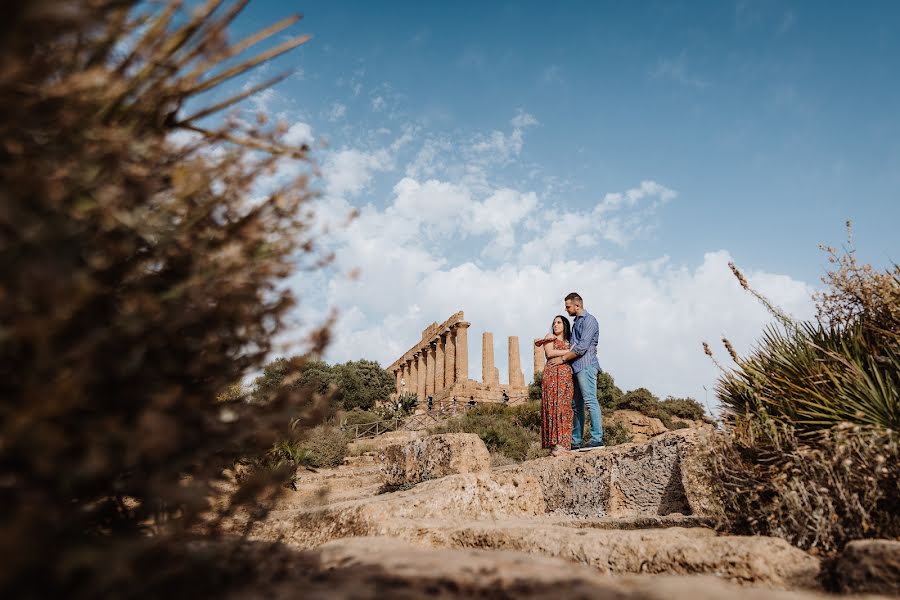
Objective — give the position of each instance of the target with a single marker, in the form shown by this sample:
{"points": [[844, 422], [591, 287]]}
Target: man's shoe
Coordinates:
{"points": [[591, 446]]}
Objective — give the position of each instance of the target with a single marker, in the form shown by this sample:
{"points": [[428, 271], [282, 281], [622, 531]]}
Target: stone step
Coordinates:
{"points": [[377, 567]]}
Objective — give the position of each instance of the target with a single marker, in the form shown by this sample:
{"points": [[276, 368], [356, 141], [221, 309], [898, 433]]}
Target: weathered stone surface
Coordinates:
{"points": [[758, 560], [625, 480], [457, 497], [490, 375], [640, 426], [379, 567], [695, 473], [514, 362], [373, 568], [434, 456], [869, 566]]}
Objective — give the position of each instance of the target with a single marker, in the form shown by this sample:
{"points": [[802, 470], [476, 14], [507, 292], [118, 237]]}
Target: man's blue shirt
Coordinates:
{"points": [[585, 335]]}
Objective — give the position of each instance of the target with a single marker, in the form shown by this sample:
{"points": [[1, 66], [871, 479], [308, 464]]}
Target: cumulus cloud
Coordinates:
{"points": [[653, 315], [299, 133], [348, 171], [448, 237]]}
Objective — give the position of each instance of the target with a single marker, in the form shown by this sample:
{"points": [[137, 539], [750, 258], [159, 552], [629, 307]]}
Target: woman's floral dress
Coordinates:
{"points": [[556, 403]]}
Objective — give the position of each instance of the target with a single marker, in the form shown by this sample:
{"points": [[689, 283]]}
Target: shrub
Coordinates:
{"points": [[615, 434], [608, 393], [844, 367], [817, 492], [138, 283], [535, 389], [683, 408], [508, 430], [321, 446], [359, 417], [643, 401], [810, 449]]}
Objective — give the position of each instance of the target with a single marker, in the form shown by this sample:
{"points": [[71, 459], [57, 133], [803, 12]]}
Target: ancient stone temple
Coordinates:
{"points": [[438, 366]]}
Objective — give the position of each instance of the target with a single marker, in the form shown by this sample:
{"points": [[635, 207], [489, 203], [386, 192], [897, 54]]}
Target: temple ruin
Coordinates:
{"points": [[438, 366]]}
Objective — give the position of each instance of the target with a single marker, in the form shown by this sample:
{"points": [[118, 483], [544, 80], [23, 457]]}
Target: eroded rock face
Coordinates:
{"points": [[433, 457], [635, 491], [755, 560], [377, 567], [869, 566], [641, 427], [627, 480], [469, 496]]}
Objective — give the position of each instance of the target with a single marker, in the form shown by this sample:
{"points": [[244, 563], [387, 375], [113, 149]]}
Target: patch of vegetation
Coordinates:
{"points": [[683, 408], [644, 402], [354, 384], [535, 391], [615, 434], [139, 282], [608, 393], [811, 443], [512, 431]]}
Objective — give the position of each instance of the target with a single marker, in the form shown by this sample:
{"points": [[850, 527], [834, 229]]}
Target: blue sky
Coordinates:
{"points": [[503, 154]]}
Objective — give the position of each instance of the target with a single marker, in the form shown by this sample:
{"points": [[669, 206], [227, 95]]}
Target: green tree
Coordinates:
{"points": [[535, 390], [608, 393], [643, 401], [684, 408], [362, 383]]}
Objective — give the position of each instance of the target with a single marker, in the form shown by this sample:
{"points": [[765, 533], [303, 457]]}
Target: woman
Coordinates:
{"points": [[557, 391]]}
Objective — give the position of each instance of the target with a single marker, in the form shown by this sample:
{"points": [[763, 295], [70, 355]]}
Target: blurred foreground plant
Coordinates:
{"points": [[139, 278]]}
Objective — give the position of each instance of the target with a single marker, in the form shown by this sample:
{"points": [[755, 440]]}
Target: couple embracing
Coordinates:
{"points": [[569, 384]]}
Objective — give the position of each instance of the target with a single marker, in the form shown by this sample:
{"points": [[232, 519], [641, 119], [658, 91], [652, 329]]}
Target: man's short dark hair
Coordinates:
{"points": [[574, 297]]}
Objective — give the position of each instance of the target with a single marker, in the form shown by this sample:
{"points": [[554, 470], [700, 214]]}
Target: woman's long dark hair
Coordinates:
{"points": [[567, 329]]}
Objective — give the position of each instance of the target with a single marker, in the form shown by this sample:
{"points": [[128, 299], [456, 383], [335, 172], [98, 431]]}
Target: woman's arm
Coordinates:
{"points": [[551, 352], [544, 340]]}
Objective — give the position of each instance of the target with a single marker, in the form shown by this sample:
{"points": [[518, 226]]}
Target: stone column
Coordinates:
{"points": [[439, 364], [404, 377], [490, 375], [397, 380], [540, 359], [449, 359], [420, 375], [462, 351], [516, 378], [429, 371]]}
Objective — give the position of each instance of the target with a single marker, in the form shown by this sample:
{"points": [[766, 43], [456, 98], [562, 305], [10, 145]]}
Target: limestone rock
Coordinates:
{"points": [[627, 480], [433, 457], [464, 497], [756, 560], [641, 427], [869, 566], [377, 567]]}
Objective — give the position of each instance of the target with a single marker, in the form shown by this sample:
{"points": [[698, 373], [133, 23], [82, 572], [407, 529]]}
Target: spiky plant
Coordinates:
{"points": [[140, 277], [842, 367]]}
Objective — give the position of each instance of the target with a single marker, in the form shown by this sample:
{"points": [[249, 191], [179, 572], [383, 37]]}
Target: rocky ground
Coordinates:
{"points": [[630, 521]]}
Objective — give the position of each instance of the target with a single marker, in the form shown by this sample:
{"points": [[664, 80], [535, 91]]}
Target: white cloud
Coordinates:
{"points": [[653, 315], [448, 237], [378, 104], [336, 112], [299, 133], [347, 172], [523, 120]]}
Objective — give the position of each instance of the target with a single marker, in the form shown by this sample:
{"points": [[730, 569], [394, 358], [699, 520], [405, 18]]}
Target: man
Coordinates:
{"points": [[583, 356]]}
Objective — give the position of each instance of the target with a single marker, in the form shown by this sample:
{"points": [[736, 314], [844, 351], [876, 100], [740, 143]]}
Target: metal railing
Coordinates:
{"points": [[410, 423]]}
